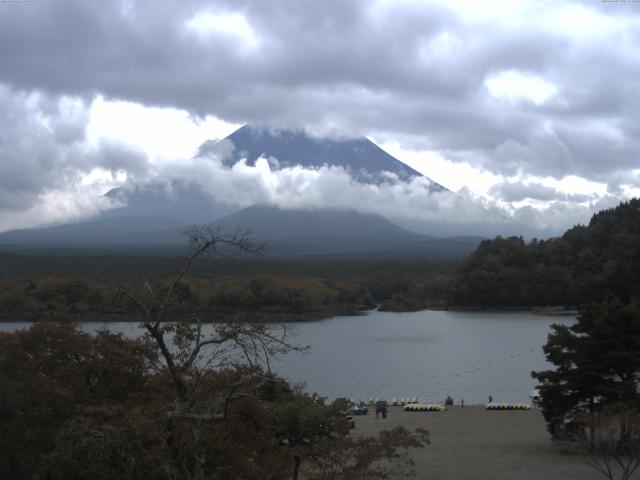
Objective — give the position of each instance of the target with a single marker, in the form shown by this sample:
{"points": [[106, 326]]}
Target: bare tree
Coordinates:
{"points": [[613, 444], [179, 336]]}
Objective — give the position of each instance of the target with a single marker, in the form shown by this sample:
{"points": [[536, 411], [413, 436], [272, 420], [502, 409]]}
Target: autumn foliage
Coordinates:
{"points": [[80, 406]]}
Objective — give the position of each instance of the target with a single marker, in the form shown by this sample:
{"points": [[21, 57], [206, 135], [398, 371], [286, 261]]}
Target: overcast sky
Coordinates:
{"points": [[529, 107]]}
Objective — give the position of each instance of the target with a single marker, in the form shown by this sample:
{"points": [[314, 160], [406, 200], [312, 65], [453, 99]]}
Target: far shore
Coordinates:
{"points": [[285, 317], [550, 310]]}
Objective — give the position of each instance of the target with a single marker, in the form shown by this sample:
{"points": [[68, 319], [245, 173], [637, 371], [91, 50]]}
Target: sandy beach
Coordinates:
{"points": [[471, 443]]}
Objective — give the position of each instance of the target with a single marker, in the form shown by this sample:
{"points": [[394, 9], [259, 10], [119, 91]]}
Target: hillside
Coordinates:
{"points": [[585, 264], [103, 233], [289, 234], [340, 233]]}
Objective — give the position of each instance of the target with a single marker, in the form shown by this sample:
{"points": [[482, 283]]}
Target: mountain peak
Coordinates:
{"points": [[361, 157]]}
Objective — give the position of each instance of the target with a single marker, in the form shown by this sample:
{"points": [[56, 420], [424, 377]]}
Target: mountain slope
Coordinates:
{"points": [[340, 233], [185, 202], [178, 201], [113, 232], [289, 233], [363, 158]]}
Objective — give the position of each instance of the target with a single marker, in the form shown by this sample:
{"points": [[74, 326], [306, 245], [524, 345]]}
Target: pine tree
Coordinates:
{"points": [[597, 363]]}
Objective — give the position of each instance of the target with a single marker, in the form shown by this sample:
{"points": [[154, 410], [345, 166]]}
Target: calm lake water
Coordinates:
{"points": [[426, 354]]}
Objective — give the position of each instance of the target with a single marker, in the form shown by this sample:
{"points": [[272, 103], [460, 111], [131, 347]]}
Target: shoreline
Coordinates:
{"points": [[552, 311], [287, 317]]}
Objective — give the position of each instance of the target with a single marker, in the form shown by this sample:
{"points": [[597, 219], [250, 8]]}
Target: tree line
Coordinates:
{"points": [[276, 297]]}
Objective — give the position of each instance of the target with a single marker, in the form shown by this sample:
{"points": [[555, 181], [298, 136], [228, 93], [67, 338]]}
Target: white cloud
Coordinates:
{"points": [[164, 134], [513, 85], [57, 206], [235, 25], [454, 176], [410, 203]]}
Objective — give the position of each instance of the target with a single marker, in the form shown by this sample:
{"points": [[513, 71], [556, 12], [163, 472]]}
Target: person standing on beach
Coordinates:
{"points": [[462, 402], [490, 399]]}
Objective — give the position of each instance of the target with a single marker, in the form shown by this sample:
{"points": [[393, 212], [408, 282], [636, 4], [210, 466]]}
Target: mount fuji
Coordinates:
{"points": [[153, 215]]}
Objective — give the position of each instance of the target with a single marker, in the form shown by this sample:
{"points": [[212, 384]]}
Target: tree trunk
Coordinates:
{"points": [[296, 467]]}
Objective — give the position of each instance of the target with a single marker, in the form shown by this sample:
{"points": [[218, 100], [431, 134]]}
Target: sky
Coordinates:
{"points": [[526, 108]]}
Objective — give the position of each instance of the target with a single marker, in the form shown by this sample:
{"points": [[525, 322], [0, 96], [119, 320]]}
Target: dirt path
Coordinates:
{"points": [[471, 443]]}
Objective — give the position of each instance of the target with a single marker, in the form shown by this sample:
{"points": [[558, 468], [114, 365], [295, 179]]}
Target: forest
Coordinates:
{"points": [[585, 264], [73, 287]]}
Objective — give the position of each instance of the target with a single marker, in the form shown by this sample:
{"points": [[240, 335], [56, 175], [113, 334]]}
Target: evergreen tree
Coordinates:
{"points": [[597, 363]]}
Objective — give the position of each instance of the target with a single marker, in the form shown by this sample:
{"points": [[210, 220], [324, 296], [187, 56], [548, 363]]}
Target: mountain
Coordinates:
{"points": [[185, 201], [338, 233], [105, 233], [289, 233], [364, 159], [317, 231], [172, 202], [153, 215]]}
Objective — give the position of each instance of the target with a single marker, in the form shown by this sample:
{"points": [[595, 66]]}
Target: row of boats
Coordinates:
{"points": [[415, 406]]}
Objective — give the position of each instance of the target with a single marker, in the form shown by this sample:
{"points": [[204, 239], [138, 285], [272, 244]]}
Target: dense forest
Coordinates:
{"points": [[267, 296], [586, 264]]}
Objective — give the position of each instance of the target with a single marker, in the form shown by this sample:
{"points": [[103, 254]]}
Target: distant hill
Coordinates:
{"points": [[175, 202], [104, 233], [290, 233], [340, 233], [586, 264]]}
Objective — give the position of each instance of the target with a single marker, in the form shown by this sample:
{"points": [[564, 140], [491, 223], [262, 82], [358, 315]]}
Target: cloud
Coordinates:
{"points": [[409, 203], [513, 91], [44, 159], [73, 164], [518, 191], [55, 207], [514, 85], [411, 70]]}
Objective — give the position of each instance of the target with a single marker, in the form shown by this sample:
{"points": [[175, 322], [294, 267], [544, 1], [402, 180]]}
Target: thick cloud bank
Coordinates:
{"points": [[44, 160], [534, 87], [410, 203], [530, 93]]}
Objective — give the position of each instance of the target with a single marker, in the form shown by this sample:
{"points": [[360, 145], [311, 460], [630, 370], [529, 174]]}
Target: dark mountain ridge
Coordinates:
{"points": [[340, 233], [289, 233]]}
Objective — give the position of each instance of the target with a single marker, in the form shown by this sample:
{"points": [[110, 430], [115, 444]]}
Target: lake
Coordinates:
{"points": [[427, 354]]}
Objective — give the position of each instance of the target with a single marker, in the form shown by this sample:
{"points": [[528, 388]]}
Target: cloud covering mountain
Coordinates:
{"points": [[540, 96]]}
